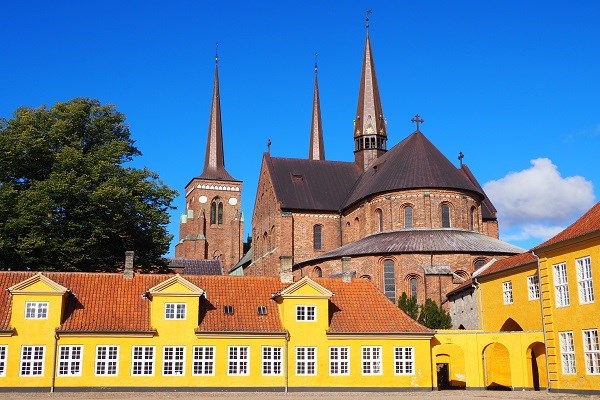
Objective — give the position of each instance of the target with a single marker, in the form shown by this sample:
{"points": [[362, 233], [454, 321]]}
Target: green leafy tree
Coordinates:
{"points": [[69, 198], [434, 316], [409, 305]]}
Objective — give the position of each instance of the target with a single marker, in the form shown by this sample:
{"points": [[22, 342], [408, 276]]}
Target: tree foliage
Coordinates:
{"points": [[69, 198], [429, 314]]}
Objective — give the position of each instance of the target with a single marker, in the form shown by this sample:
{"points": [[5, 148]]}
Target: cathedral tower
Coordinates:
{"points": [[213, 226], [370, 132]]}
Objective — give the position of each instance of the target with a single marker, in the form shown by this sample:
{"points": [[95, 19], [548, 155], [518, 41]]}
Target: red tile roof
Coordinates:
{"points": [[589, 222], [510, 263], [110, 302]]}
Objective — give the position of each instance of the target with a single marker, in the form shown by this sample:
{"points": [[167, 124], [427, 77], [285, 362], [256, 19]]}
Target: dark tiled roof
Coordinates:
{"points": [[197, 267], [302, 184], [112, 303], [488, 211], [423, 241], [413, 163], [588, 223], [510, 263]]}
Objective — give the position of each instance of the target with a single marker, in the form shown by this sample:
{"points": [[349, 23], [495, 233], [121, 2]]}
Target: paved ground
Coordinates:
{"points": [[445, 395]]}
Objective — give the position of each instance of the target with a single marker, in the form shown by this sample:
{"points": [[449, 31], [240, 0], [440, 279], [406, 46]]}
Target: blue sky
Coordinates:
{"points": [[514, 85]]}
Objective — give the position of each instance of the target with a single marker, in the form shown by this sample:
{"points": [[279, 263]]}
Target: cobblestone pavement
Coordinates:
{"points": [[445, 395]]}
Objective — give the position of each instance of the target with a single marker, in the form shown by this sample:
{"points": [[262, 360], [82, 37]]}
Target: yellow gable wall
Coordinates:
{"points": [[527, 313], [576, 317]]}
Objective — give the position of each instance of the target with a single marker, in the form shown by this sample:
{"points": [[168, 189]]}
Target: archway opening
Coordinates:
{"points": [[496, 362]]}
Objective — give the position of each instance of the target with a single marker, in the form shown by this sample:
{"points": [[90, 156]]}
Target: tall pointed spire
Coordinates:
{"points": [[214, 162], [317, 149], [370, 132]]}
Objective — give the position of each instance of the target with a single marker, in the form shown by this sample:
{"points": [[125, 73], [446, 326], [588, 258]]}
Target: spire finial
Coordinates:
{"points": [[460, 157], [217, 53], [367, 13], [316, 64], [417, 120], [269, 145]]}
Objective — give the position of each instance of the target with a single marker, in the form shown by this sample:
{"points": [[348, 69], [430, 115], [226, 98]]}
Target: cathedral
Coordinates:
{"points": [[406, 218]]}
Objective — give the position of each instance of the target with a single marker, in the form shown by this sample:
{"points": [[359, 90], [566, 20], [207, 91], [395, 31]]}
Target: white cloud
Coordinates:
{"points": [[538, 202]]}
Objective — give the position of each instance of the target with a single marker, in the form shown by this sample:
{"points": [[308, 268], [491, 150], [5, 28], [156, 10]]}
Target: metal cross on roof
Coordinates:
{"points": [[460, 157], [417, 120], [269, 145], [368, 12]]}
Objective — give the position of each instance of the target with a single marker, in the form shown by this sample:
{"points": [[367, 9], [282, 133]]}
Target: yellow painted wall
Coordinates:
{"points": [[527, 313], [576, 317]]}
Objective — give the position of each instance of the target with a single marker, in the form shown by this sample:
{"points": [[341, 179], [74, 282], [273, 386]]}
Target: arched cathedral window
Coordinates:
{"points": [[216, 211], [408, 217], [445, 216], [317, 232]]}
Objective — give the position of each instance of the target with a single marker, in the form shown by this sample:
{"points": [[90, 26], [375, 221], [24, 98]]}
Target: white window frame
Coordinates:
{"points": [[70, 360], [371, 360], [36, 310], [306, 361], [404, 360], [339, 360], [533, 287], [591, 351], [272, 360], [173, 361], [3, 358], [32, 362], [585, 283], [204, 360], [567, 352], [143, 360], [104, 362], [238, 360], [175, 311], [306, 313], [507, 292], [561, 285]]}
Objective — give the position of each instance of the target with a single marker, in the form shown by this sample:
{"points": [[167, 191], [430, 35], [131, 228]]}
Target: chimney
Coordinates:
{"points": [[346, 273], [128, 271], [285, 269]]}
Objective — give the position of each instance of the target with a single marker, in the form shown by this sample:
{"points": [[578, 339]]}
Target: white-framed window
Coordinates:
{"points": [[143, 360], [174, 310], [507, 292], [69, 360], [371, 360], [339, 360], [567, 351], [36, 310], [173, 360], [306, 360], [204, 360], [561, 285], [591, 350], [404, 360], [107, 360], [584, 280], [238, 360], [32, 360], [3, 356], [272, 360], [533, 286], [306, 313]]}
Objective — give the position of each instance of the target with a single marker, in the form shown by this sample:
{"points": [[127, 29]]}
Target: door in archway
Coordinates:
{"points": [[443, 376]]}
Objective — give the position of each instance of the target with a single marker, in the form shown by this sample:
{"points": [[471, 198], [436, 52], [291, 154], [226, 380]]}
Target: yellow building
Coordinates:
{"points": [[569, 266], [61, 331]]}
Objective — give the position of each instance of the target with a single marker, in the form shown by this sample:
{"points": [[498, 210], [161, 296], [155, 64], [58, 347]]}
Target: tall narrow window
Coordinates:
{"points": [[216, 211], [507, 292], [317, 230], [533, 285], [567, 351], [389, 280], [472, 219], [591, 349], [414, 287], [561, 285], [379, 215], [408, 217], [584, 280], [445, 216], [3, 350]]}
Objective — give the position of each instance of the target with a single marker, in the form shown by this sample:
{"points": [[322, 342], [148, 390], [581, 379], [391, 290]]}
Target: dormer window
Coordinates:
{"points": [[228, 310], [306, 313], [175, 311], [36, 310], [262, 310]]}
